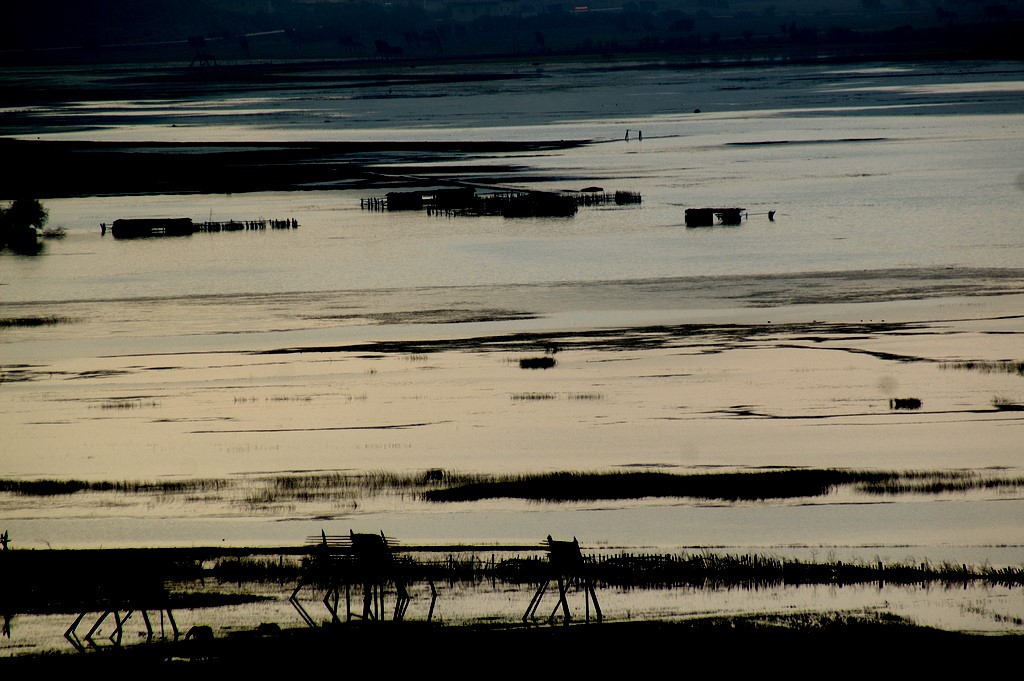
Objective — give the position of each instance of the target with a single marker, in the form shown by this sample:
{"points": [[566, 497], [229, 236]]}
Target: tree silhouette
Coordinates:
{"points": [[19, 222]]}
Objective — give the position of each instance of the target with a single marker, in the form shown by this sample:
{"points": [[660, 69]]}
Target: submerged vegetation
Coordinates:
{"points": [[439, 486]]}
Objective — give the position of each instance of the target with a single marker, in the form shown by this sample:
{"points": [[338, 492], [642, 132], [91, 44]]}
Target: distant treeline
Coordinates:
{"points": [[208, 32]]}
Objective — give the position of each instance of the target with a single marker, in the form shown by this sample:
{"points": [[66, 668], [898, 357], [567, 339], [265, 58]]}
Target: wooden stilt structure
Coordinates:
{"points": [[365, 561], [568, 568], [116, 635]]}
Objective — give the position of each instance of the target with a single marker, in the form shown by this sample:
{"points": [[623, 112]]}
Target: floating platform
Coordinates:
{"points": [[707, 217]]}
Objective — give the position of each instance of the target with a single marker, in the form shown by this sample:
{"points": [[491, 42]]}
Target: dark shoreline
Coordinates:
{"points": [[79, 168], [718, 645]]}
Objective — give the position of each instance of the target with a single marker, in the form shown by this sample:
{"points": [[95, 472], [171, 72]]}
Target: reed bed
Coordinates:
{"points": [[937, 482], [40, 320], [737, 486], [196, 577], [996, 367], [528, 396], [350, 486], [128, 404], [658, 571], [443, 486], [49, 487]]}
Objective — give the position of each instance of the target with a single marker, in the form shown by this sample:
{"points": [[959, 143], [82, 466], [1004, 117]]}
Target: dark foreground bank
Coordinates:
{"points": [[791, 644]]}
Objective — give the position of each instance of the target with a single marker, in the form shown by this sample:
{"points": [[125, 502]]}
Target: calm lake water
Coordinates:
{"points": [[897, 192]]}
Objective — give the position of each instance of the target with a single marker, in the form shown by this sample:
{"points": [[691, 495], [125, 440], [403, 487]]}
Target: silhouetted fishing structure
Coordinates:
{"points": [[105, 588], [356, 559], [135, 228], [109, 587], [246, 225], [507, 203], [568, 568]]}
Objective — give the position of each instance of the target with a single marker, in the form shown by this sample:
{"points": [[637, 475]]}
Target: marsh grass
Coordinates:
{"points": [[443, 486], [278, 569], [528, 396], [714, 570], [1006, 404], [128, 404], [996, 367], [47, 320], [936, 482], [707, 570], [49, 487], [348, 488]]}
